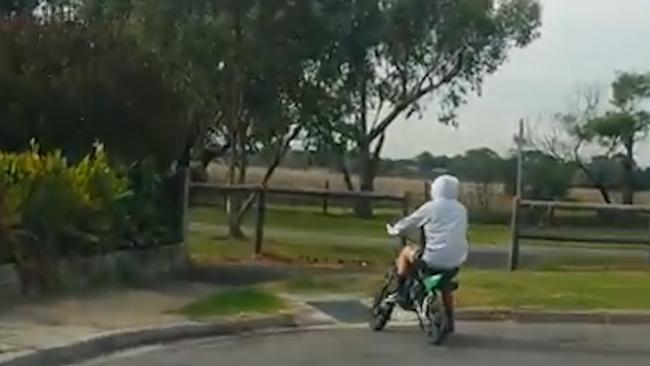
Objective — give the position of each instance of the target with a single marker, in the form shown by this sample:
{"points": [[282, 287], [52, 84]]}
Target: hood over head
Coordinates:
{"points": [[445, 187]]}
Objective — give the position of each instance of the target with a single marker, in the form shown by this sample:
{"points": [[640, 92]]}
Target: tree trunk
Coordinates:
{"points": [[369, 164], [237, 132], [233, 202], [628, 173], [343, 168], [363, 207], [246, 204], [602, 188], [347, 179]]}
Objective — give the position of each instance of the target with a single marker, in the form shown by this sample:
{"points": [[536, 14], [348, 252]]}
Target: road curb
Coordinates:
{"points": [[535, 316], [133, 338]]}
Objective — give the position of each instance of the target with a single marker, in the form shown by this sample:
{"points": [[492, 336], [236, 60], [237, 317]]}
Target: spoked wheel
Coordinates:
{"points": [[437, 326], [382, 308]]}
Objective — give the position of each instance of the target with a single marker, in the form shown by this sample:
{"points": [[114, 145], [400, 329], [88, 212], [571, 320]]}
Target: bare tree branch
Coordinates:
{"points": [[280, 153], [414, 96]]}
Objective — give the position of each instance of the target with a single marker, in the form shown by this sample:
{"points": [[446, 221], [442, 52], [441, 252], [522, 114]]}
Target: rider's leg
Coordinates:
{"points": [[448, 301], [404, 263]]}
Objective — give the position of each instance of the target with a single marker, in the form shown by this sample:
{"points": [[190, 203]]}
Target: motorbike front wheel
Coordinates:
{"points": [[381, 309]]}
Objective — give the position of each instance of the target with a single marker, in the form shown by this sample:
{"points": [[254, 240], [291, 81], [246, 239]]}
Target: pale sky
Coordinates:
{"points": [[582, 42]]}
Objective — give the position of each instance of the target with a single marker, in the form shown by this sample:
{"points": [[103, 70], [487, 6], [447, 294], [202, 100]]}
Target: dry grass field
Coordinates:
{"points": [[316, 178], [592, 195]]}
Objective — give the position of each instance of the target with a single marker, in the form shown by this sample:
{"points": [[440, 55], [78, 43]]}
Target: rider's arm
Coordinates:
{"points": [[416, 219]]}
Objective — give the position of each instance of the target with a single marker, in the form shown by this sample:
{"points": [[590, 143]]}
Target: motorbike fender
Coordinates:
{"points": [[431, 282]]}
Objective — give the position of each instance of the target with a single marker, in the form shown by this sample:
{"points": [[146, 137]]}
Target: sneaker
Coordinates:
{"points": [[393, 298]]}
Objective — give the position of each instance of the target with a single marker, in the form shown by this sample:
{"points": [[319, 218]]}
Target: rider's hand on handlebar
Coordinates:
{"points": [[391, 230]]}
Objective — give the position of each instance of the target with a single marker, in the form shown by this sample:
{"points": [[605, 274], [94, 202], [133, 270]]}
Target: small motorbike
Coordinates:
{"points": [[423, 297]]}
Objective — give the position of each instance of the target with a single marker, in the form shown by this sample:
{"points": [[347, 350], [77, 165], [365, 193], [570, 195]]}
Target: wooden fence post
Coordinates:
{"points": [[259, 222], [326, 197], [185, 197], [406, 201], [514, 231], [648, 245]]}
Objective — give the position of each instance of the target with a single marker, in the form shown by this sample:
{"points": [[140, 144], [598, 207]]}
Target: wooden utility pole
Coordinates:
{"points": [[514, 224], [519, 139]]}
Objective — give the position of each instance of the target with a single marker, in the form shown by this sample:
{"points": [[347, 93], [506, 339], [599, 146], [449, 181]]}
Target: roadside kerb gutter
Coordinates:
{"points": [[553, 316], [108, 343]]}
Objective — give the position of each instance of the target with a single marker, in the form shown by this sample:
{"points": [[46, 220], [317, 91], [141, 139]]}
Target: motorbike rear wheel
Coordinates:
{"points": [[437, 324]]}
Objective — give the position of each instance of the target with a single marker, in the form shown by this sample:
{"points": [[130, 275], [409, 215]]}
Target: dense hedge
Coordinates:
{"points": [[83, 208], [68, 85]]}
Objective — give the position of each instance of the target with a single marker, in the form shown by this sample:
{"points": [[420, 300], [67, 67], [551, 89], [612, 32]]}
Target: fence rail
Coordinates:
{"points": [[261, 195], [317, 193], [520, 231], [580, 206]]}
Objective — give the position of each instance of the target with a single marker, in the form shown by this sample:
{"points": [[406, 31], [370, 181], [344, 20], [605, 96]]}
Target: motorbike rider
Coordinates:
{"points": [[445, 223]]}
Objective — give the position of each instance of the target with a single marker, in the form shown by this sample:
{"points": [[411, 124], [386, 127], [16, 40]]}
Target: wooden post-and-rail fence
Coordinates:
{"points": [[519, 231], [262, 193]]}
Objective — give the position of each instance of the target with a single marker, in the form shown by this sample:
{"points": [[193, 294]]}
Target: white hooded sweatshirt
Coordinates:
{"points": [[444, 220]]}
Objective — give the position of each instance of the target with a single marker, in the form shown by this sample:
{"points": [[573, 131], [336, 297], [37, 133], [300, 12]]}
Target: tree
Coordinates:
{"points": [[68, 85], [642, 179], [41, 10], [426, 162], [483, 167], [545, 177], [395, 53], [257, 72], [11, 8], [570, 140], [620, 130], [607, 170]]}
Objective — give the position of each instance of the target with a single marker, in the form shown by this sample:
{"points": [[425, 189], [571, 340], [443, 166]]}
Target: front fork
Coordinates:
{"points": [[421, 308]]}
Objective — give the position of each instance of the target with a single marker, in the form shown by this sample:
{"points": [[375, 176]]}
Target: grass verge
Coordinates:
{"points": [[340, 224], [556, 290], [505, 290], [233, 302], [360, 284], [207, 248]]}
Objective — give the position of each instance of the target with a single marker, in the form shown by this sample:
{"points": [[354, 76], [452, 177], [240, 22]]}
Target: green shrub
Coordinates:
{"points": [[53, 208]]}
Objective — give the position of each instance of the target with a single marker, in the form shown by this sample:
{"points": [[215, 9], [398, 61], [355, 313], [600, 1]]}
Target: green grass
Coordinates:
{"points": [[233, 302], [207, 248], [302, 219], [305, 220], [592, 262], [505, 290], [480, 234], [555, 290], [364, 284]]}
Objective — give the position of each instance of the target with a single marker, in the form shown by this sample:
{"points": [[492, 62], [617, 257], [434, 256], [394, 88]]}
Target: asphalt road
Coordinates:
{"points": [[476, 344]]}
